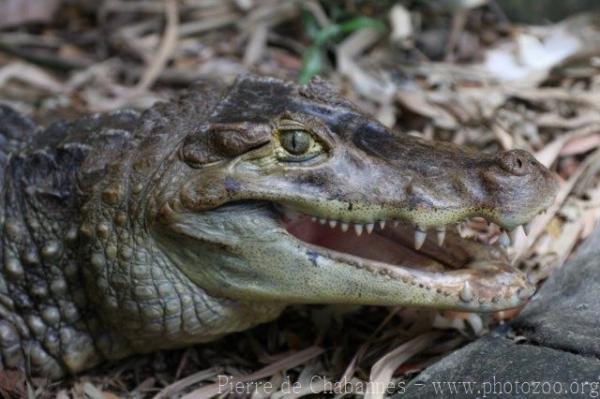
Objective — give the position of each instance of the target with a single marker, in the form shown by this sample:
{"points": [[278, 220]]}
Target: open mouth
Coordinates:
{"points": [[381, 264], [398, 244], [472, 270]]}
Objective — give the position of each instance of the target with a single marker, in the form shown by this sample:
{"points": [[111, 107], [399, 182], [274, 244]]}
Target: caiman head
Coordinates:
{"points": [[290, 194]]}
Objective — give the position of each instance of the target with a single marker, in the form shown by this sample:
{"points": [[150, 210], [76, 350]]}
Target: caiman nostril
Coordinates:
{"points": [[516, 162]]}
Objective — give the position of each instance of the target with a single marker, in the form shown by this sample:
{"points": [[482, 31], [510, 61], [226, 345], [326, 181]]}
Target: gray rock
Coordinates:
{"points": [[494, 366], [541, 12], [565, 314]]}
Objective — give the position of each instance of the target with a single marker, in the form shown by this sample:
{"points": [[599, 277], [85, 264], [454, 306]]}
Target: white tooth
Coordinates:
{"points": [[441, 235], [332, 223], [322, 221], [420, 237], [382, 224], [466, 294], [504, 239], [527, 229], [313, 219], [369, 227], [516, 234], [460, 229], [358, 229], [344, 226]]}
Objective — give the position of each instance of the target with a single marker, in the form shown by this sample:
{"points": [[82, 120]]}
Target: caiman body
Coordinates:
{"points": [[129, 232]]}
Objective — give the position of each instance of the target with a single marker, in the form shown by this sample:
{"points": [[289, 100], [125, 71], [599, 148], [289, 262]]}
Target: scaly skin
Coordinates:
{"points": [[127, 233]]}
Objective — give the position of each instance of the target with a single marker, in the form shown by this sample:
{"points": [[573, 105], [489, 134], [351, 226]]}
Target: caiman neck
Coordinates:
{"points": [[136, 288]]}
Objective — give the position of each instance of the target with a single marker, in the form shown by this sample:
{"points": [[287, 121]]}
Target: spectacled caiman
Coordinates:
{"points": [[128, 232]]}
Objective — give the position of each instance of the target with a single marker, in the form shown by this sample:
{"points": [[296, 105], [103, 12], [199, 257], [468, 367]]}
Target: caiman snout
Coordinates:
{"points": [[518, 162], [519, 187], [436, 184]]}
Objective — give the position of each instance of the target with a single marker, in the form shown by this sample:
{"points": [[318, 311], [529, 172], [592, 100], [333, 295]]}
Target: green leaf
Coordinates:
{"points": [[311, 64], [312, 59], [311, 27], [359, 23], [327, 33], [332, 31]]}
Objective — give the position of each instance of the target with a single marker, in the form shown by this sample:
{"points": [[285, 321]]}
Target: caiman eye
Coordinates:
{"points": [[296, 142]]}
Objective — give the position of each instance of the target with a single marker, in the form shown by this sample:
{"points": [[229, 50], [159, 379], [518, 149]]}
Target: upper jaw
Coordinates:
{"points": [[436, 223]]}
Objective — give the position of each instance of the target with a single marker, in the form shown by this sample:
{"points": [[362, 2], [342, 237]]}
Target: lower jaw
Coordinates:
{"points": [[461, 275]]}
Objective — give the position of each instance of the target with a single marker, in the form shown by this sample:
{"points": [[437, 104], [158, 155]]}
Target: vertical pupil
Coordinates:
{"points": [[296, 141]]}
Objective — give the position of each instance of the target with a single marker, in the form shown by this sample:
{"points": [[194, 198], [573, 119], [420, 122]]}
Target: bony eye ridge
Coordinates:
{"points": [[296, 142]]}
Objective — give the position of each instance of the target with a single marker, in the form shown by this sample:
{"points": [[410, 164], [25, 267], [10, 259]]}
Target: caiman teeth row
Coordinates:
{"points": [[420, 233], [358, 227]]}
